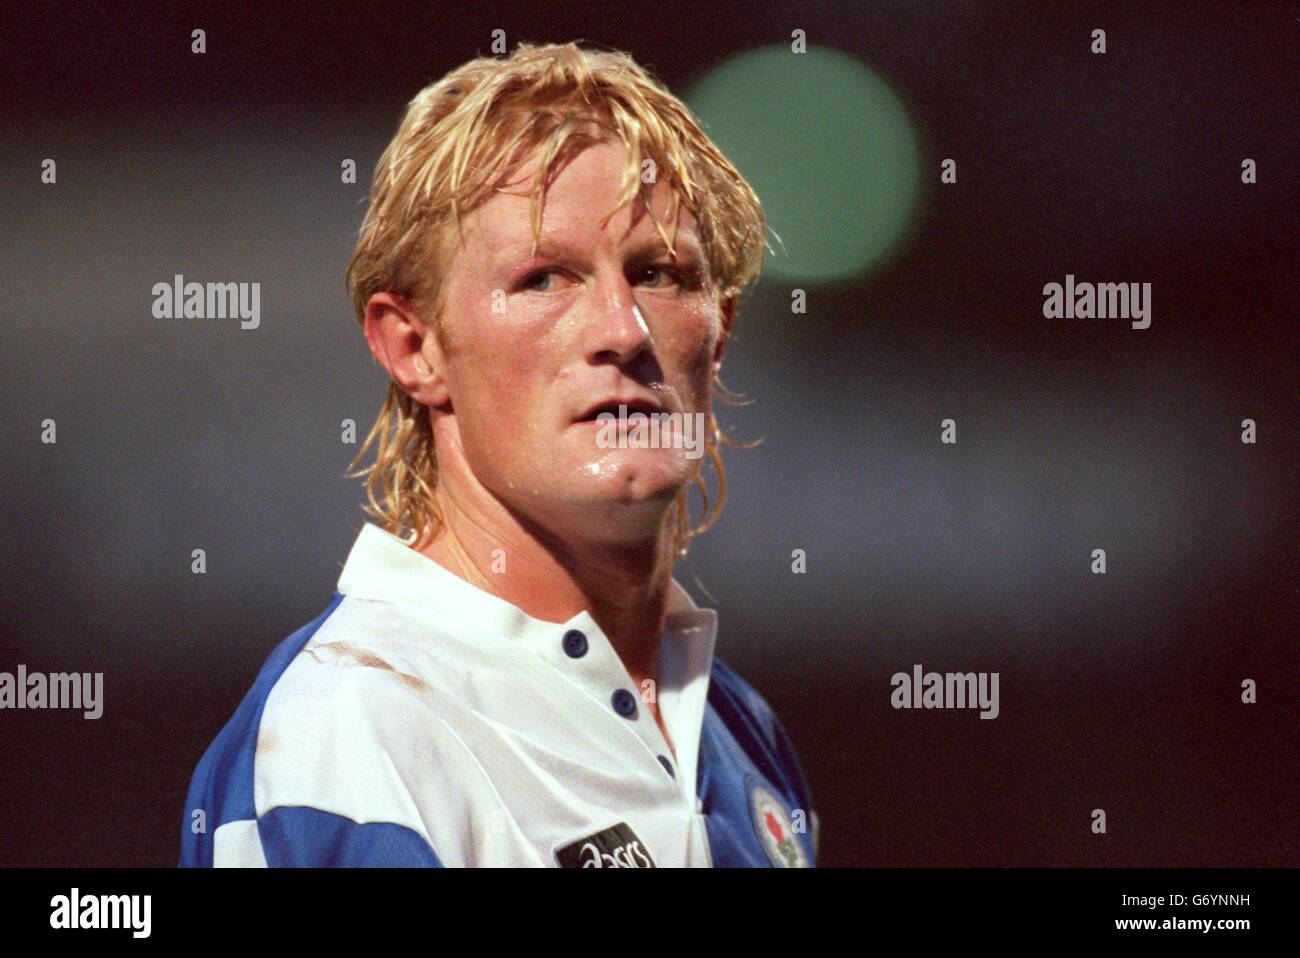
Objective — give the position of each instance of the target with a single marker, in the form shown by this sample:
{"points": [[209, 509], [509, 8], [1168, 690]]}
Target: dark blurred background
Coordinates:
{"points": [[924, 302]]}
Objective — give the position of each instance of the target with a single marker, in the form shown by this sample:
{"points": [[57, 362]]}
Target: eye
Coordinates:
{"points": [[664, 271], [531, 281]]}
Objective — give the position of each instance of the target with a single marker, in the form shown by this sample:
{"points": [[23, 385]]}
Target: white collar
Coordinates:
{"points": [[384, 568]]}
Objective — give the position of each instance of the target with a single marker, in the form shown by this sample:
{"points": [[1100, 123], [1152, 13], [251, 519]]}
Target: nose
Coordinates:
{"points": [[617, 333]]}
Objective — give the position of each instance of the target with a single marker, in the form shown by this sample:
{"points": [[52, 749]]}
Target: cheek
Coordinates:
{"points": [[693, 354], [499, 373], [498, 399], [491, 361]]}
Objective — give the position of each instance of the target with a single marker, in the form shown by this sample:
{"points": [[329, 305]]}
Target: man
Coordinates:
{"points": [[517, 679]]}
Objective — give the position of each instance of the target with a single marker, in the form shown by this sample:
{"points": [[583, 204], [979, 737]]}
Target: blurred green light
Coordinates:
{"points": [[829, 149]]}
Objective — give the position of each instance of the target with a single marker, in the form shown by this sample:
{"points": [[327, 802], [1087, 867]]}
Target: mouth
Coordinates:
{"points": [[631, 405]]}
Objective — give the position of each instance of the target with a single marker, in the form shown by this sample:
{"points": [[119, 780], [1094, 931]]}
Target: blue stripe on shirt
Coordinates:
{"points": [[222, 786], [302, 837]]}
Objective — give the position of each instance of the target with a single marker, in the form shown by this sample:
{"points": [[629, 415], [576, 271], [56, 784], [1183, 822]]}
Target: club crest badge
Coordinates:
{"points": [[775, 830]]}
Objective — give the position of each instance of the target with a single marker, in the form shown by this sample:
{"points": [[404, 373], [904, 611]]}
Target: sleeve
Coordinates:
{"points": [[303, 837], [347, 763]]}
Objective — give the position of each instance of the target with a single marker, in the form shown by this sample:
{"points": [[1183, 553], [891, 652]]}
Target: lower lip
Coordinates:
{"points": [[632, 416], [614, 424], [597, 422], [632, 419]]}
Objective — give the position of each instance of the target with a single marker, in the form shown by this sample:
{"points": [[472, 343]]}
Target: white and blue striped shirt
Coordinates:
{"points": [[420, 720]]}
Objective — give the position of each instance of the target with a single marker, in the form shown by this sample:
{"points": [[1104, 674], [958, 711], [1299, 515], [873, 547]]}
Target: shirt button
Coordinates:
{"points": [[575, 644], [624, 703], [663, 760]]}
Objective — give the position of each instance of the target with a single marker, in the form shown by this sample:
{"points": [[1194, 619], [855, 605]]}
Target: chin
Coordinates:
{"points": [[638, 475]]}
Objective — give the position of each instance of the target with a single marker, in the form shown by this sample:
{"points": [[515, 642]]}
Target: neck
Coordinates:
{"points": [[624, 585]]}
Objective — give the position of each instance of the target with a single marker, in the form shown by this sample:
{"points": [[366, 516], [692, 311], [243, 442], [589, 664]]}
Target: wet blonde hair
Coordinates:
{"points": [[456, 138]]}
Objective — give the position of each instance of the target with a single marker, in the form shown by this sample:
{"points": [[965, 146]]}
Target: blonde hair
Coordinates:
{"points": [[455, 137]]}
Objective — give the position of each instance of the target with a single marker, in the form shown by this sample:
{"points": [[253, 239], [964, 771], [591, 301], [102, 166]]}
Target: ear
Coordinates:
{"points": [[404, 343], [728, 310]]}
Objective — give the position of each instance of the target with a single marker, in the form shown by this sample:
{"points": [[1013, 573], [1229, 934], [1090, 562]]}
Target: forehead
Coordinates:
{"points": [[582, 192]]}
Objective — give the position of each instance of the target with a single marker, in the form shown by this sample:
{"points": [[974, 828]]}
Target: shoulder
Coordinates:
{"points": [[740, 702], [321, 761], [359, 719], [754, 724], [725, 682], [221, 789]]}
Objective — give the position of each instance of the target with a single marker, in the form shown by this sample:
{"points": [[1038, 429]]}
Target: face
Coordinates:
{"points": [[534, 346]]}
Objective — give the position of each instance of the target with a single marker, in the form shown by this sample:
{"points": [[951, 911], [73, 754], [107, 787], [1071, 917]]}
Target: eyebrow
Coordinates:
{"points": [[549, 248]]}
